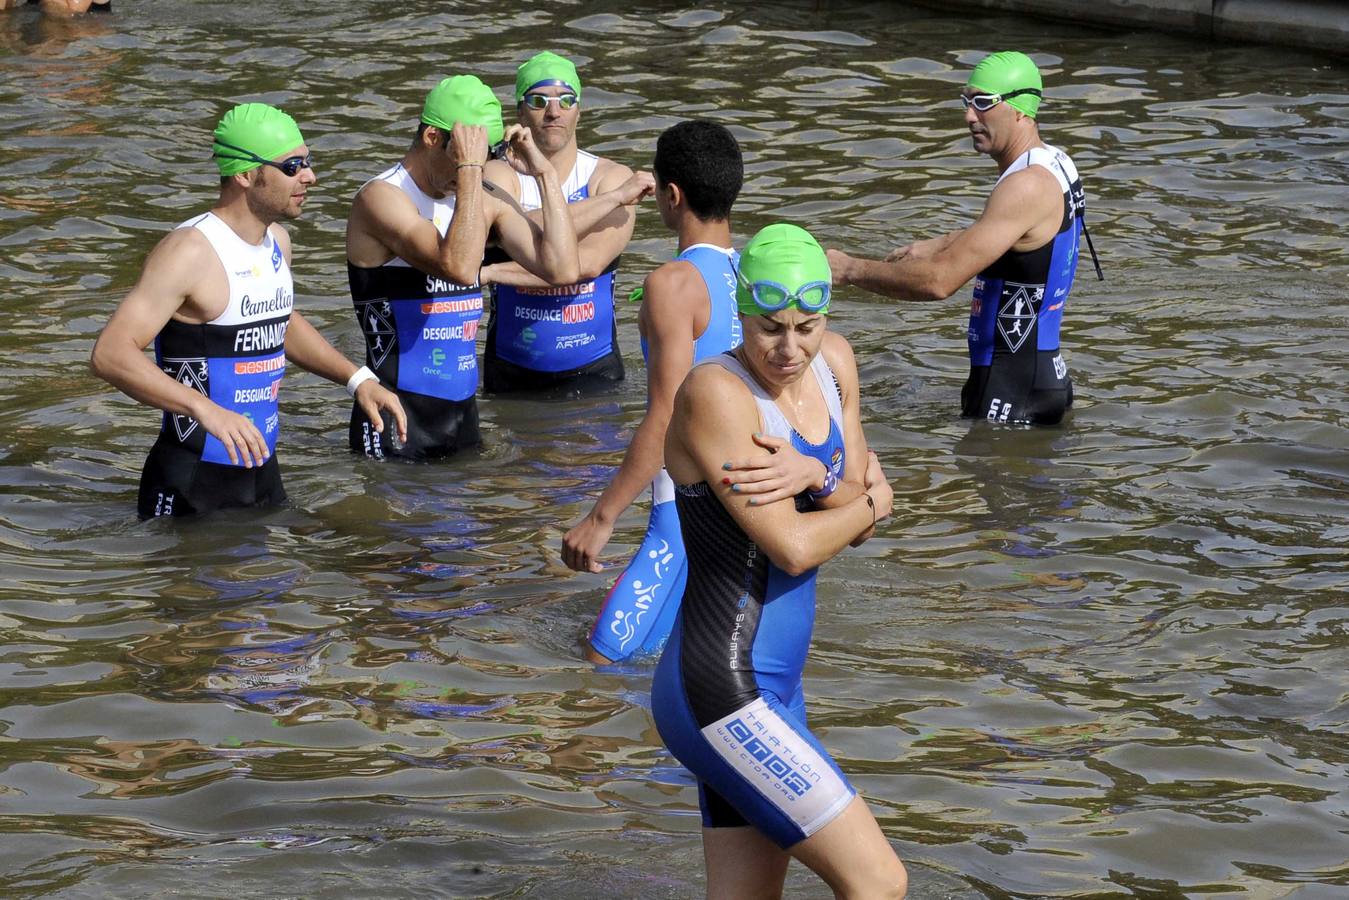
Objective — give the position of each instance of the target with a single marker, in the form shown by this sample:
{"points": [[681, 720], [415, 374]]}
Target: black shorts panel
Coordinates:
{"points": [[436, 429], [176, 482]]}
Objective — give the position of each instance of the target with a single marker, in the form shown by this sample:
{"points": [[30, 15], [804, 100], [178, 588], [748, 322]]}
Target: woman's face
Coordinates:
{"points": [[778, 348]]}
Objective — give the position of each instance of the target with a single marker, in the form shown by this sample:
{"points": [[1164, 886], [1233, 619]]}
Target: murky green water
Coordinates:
{"points": [[1102, 660]]}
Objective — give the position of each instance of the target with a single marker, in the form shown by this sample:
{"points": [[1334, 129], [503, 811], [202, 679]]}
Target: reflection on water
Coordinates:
{"points": [[1103, 659]]}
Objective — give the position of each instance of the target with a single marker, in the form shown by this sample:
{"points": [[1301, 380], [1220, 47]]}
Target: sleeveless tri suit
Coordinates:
{"points": [[727, 695], [640, 608], [544, 337], [1017, 374], [237, 359], [420, 339]]}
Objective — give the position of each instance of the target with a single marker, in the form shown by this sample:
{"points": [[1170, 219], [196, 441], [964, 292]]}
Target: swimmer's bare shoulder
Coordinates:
{"points": [[714, 419]]}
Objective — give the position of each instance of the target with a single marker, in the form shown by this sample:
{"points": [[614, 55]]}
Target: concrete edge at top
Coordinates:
{"points": [[1312, 24], [1317, 24]]}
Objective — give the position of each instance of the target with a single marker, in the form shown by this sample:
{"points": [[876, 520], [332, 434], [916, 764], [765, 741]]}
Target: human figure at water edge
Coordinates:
{"points": [[1023, 249], [542, 336], [688, 314], [415, 241], [727, 695], [216, 298], [63, 8]]}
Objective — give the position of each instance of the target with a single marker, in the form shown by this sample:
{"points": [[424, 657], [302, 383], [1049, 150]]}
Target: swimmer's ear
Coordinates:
{"points": [[435, 138], [675, 197]]}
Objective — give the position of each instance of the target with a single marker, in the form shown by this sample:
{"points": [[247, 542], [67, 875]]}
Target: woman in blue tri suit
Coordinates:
{"points": [[727, 695]]}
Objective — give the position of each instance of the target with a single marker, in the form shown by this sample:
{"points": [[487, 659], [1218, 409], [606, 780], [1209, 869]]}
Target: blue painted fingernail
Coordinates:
{"points": [[736, 488], [751, 501], [726, 466]]}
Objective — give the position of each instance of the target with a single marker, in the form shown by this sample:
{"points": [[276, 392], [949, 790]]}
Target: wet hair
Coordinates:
{"points": [[704, 159]]}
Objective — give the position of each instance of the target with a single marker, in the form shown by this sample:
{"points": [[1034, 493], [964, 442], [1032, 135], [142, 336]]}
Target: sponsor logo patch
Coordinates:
{"points": [[191, 373], [1016, 318], [380, 336], [259, 366]]}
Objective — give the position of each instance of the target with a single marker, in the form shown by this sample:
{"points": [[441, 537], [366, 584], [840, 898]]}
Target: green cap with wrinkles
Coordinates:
{"points": [[464, 99], [250, 133], [789, 257], [1005, 72]]}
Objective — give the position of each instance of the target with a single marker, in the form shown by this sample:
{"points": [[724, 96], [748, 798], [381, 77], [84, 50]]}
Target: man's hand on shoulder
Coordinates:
{"points": [[636, 187]]}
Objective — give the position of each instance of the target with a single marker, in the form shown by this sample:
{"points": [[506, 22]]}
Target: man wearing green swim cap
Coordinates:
{"points": [[560, 338], [216, 298], [415, 241], [746, 615], [1023, 250]]}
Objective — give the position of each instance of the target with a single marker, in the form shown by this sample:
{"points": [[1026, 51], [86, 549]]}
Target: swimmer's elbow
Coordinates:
{"points": [[462, 272], [568, 272], [100, 363], [590, 271], [795, 558]]}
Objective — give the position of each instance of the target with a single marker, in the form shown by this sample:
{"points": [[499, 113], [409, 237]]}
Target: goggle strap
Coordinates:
{"points": [[249, 157]]}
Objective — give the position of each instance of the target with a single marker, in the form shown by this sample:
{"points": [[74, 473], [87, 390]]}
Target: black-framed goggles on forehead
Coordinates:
{"points": [[985, 102], [541, 101], [291, 166]]}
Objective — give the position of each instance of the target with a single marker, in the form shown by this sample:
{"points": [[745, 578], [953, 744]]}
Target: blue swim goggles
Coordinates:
{"points": [[770, 296]]}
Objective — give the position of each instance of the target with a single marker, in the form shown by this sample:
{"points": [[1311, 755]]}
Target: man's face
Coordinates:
{"points": [[987, 127], [276, 195], [553, 127]]}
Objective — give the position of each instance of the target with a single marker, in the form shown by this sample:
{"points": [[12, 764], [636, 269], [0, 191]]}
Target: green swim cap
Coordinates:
{"points": [[250, 133], [544, 69], [1005, 72], [789, 258], [464, 98]]}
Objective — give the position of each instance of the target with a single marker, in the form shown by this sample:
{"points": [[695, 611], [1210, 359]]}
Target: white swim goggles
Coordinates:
{"points": [[541, 101], [985, 102]]}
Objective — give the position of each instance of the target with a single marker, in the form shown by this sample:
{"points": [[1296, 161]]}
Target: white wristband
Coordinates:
{"points": [[360, 377]]}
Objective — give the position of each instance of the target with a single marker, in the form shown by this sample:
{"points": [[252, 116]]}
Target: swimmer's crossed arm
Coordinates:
{"points": [[782, 472], [548, 250], [603, 222], [705, 432]]}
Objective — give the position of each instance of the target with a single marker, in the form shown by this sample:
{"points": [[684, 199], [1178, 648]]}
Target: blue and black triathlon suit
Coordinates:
{"points": [[640, 609], [1017, 374], [421, 340], [727, 694], [542, 338], [237, 359]]}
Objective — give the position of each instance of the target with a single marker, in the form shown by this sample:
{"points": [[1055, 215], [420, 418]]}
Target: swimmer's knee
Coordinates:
{"points": [[889, 881]]}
